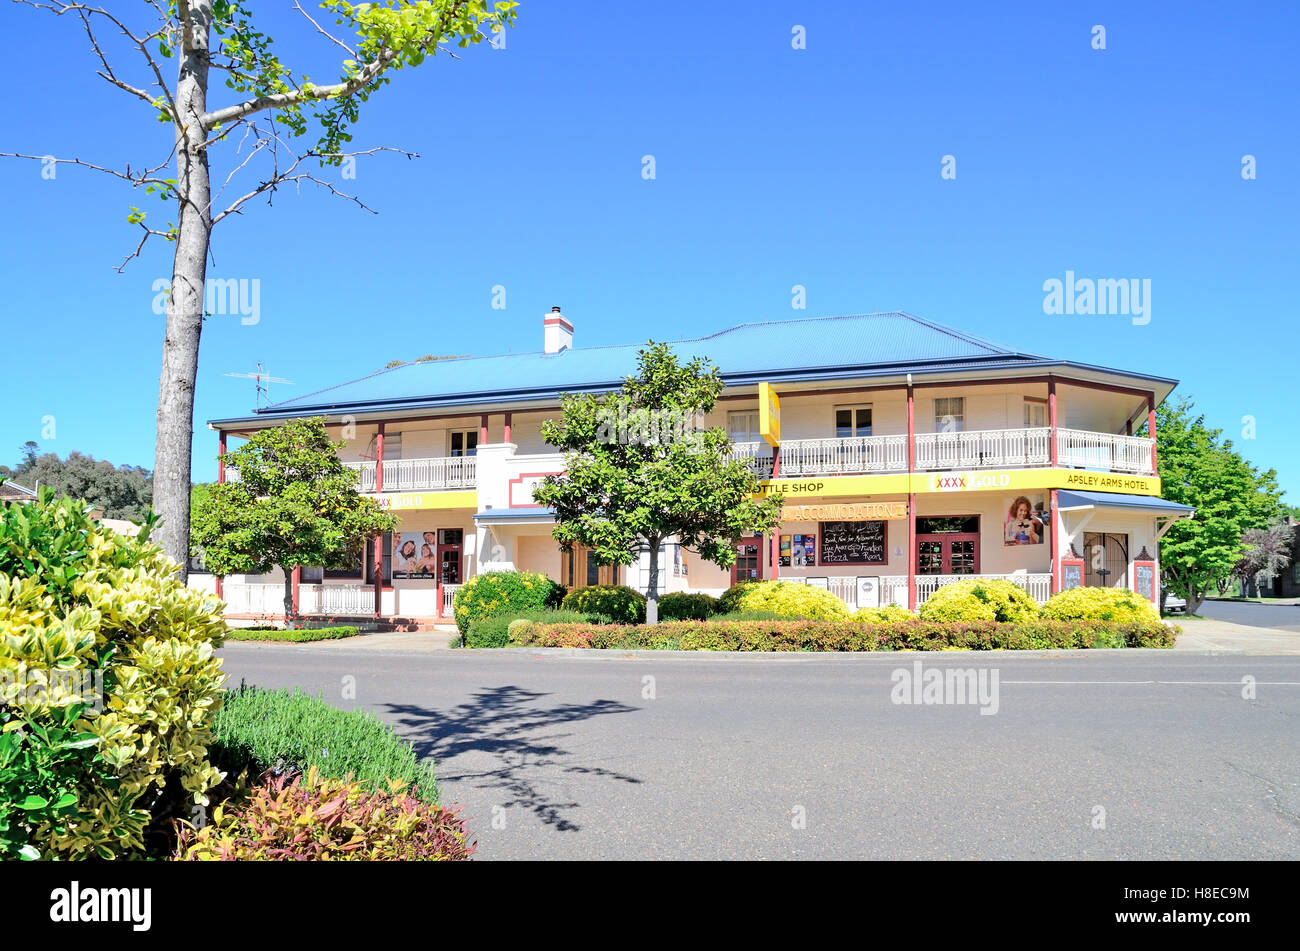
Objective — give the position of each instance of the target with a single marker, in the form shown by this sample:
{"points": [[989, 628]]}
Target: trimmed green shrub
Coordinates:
{"points": [[791, 599], [839, 635], [619, 603], [495, 592], [682, 606], [259, 730], [888, 612], [494, 630], [1099, 604], [291, 635], [979, 599], [86, 768], [754, 616], [314, 819]]}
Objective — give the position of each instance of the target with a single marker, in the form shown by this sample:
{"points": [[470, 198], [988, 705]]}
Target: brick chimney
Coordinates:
{"points": [[557, 331]]}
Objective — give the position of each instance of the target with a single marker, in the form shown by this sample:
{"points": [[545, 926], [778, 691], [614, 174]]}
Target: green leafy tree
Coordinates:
{"points": [[639, 470], [1199, 467], [293, 503], [1267, 555], [119, 491], [273, 123]]}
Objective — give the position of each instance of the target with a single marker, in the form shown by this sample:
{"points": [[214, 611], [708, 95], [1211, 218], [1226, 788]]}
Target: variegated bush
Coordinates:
{"points": [[81, 775]]}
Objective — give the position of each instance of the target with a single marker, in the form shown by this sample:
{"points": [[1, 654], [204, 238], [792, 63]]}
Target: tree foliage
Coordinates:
{"points": [[293, 503], [1198, 467], [119, 491], [1267, 555], [640, 470]]}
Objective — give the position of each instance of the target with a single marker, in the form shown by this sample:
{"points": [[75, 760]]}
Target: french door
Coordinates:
{"points": [[750, 554], [1105, 560], [948, 554]]}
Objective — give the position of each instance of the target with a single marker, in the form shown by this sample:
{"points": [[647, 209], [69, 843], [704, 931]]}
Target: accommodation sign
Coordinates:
{"points": [[844, 512]]}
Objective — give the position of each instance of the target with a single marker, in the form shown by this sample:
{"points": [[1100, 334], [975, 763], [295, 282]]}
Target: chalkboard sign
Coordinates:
{"points": [[1072, 573], [855, 543], [1144, 579]]}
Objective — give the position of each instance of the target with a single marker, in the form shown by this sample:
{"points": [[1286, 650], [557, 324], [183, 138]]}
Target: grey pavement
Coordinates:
{"points": [[568, 754], [1276, 615]]}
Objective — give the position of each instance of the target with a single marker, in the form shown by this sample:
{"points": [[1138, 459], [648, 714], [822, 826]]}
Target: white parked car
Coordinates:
{"points": [[1172, 602]]}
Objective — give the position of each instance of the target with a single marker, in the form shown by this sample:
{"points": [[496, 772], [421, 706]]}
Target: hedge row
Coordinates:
{"points": [[292, 635], [846, 635]]}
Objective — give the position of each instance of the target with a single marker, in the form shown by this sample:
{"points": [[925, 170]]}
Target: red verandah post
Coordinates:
{"points": [[1151, 431], [221, 477], [1051, 420], [379, 539], [774, 547], [911, 501]]}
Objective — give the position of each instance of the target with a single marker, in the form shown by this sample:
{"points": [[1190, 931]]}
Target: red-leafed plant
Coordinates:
{"points": [[306, 818]]}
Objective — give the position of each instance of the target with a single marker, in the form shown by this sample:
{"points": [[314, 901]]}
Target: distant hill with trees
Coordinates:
{"points": [[121, 491]]}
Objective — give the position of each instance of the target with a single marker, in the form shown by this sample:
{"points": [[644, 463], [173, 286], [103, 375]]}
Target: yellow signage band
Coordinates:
{"points": [[993, 480]]}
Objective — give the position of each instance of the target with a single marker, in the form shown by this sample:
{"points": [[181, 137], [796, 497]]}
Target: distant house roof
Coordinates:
{"points": [[13, 492], [803, 349]]}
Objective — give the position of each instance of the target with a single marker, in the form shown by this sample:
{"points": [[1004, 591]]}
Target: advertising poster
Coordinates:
{"points": [[415, 555], [1025, 519]]}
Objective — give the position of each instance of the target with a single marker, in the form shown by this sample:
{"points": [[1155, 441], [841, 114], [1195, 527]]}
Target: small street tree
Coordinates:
{"points": [[294, 503], [168, 56], [1199, 467], [639, 470], [1268, 554]]}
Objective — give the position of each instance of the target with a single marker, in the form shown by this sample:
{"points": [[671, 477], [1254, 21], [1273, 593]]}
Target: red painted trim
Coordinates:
{"points": [[774, 548], [559, 321], [221, 588], [507, 431], [1151, 431], [1051, 420], [911, 430], [221, 455], [911, 551], [379, 575], [482, 429], [759, 566], [954, 536], [519, 480], [1058, 576], [297, 583], [379, 459], [437, 599]]}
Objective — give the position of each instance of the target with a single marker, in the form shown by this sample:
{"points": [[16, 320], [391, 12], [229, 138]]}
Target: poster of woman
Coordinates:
{"points": [[1026, 521], [415, 556]]}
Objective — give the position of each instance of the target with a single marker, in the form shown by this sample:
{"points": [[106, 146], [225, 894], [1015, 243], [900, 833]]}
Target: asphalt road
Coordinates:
{"points": [[1280, 616], [567, 755]]}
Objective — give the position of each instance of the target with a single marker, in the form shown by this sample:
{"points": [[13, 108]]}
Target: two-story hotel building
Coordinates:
{"points": [[909, 455]]}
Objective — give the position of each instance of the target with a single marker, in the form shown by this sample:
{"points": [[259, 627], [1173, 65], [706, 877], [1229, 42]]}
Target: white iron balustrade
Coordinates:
{"points": [[984, 449], [255, 598], [1076, 448], [847, 454], [1038, 585], [350, 600], [757, 455], [448, 599], [414, 475]]}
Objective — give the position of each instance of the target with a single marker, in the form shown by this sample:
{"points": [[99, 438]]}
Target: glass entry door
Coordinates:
{"points": [[449, 548], [948, 554], [749, 560]]}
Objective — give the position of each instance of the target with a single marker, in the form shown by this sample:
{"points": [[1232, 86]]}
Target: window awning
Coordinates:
{"points": [[514, 516], [1069, 501]]}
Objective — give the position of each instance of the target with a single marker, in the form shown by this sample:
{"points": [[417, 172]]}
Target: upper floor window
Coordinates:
{"points": [[1035, 413], [852, 421], [464, 442], [949, 414], [743, 426]]}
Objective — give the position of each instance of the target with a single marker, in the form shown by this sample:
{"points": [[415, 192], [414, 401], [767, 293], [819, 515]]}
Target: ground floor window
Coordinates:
{"points": [[579, 568]]}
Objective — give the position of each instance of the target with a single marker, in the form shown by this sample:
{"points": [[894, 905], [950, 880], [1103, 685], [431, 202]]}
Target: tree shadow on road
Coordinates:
{"points": [[518, 731]]}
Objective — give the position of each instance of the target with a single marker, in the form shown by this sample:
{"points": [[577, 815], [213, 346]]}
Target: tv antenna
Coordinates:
{"points": [[263, 383]]}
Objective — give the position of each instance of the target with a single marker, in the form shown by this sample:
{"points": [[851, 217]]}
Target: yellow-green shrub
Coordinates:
{"points": [[75, 597], [1099, 604], [496, 592], [790, 599], [888, 612], [979, 599]]}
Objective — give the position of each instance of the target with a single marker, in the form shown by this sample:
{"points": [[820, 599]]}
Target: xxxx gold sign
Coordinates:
{"points": [[406, 501], [844, 512]]}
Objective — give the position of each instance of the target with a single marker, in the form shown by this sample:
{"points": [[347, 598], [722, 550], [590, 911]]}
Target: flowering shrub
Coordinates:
{"points": [[1099, 604], [979, 599], [495, 592], [494, 630], [84, 776], [889, 612], [303, 819], [791, 599], [680, 606], [619, 603], [843, 635]]}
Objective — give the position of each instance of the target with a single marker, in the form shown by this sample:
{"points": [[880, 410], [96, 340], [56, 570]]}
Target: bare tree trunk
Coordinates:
{"points": [[652, 589], [288, 597], [180, 362]]}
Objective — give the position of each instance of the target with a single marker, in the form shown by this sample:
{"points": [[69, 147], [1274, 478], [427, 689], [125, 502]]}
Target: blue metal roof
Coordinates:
{"points": [[805, 349], [1067, 499], [517, 514]]}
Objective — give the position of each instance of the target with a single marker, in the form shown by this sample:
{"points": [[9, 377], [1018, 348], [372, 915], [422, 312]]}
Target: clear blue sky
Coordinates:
{"points": [[775, 167]]}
